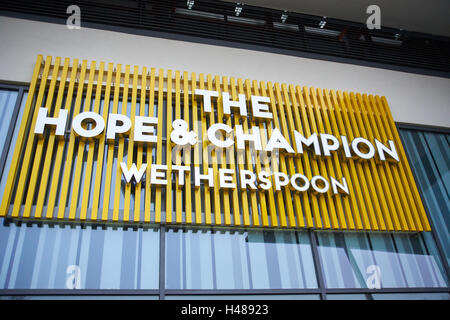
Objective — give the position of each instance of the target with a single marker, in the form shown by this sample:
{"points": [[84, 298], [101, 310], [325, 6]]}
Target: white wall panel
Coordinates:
{"points": [[413, 98]]}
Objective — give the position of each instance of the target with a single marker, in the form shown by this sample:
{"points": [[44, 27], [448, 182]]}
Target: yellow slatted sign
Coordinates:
{"points": [[68, 177]]}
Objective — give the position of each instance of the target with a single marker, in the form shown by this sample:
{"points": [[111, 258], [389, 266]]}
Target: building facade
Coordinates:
{"points": [[208, 150]]}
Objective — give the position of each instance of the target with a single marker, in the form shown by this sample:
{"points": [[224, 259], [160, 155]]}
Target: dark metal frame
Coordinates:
{"points": [[162, 292]]}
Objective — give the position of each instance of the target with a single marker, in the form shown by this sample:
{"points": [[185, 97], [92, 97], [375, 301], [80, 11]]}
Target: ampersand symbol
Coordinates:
{"points": [[180, 134]]}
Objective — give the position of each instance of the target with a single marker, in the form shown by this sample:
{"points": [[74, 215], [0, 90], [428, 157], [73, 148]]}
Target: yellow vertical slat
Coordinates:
{"points": [[288, 131], [214, 159], [101, 147], [231, 156], [158, 207], [376, 191], [357, 164], [40, 145], [348, 166], [101, 140], [121, 141], [81, 148], [248, 124], [148, 187], [376, 219], [226, 193], [388, 206], [140, 148], [187, 155], [330, 122], [169, 149], [288, 127], [262, 193], [130, 148], [240, 159], [324, 125], [325, 164], [90, 157], [397, 170], [60, 146], [400, 200], [110, 157], [197, 191], [309, 122], [205, 159], [396, 208], [302, 160], [301, 116], [372, 202], [419, 213], [178, 188], [270, 168], [282, 125], [71, 148], [51, 141], [27, 157], [280, 165], [356, 169], [28, 112], [334, 203]]}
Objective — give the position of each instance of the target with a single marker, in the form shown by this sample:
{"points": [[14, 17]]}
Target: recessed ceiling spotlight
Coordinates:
{"points": [[323, 22], [238, 9], [284, 16]]}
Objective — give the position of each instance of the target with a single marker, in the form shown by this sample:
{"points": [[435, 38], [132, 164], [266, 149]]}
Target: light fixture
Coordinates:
{"points": [[238, 9], [323, 22], [284, 16], [398, 35], [190, 4]]}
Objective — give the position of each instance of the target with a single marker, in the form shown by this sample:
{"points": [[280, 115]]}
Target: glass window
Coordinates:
{"points": [[7, 102], [429, 155], [72, 257], [205, 259], [379, 260]]}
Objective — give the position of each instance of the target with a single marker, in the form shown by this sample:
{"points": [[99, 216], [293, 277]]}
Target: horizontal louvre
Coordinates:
{"points": [[257, 26]]}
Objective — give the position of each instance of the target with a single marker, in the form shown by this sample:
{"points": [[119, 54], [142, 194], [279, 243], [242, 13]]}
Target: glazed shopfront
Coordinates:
{"points": [[139, 182]]}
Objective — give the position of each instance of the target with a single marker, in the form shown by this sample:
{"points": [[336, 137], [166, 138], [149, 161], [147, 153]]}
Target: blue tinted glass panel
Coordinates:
{"points": [[204, 259], [6, 101], [429, 156], [72, 257], [379, 260]]}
